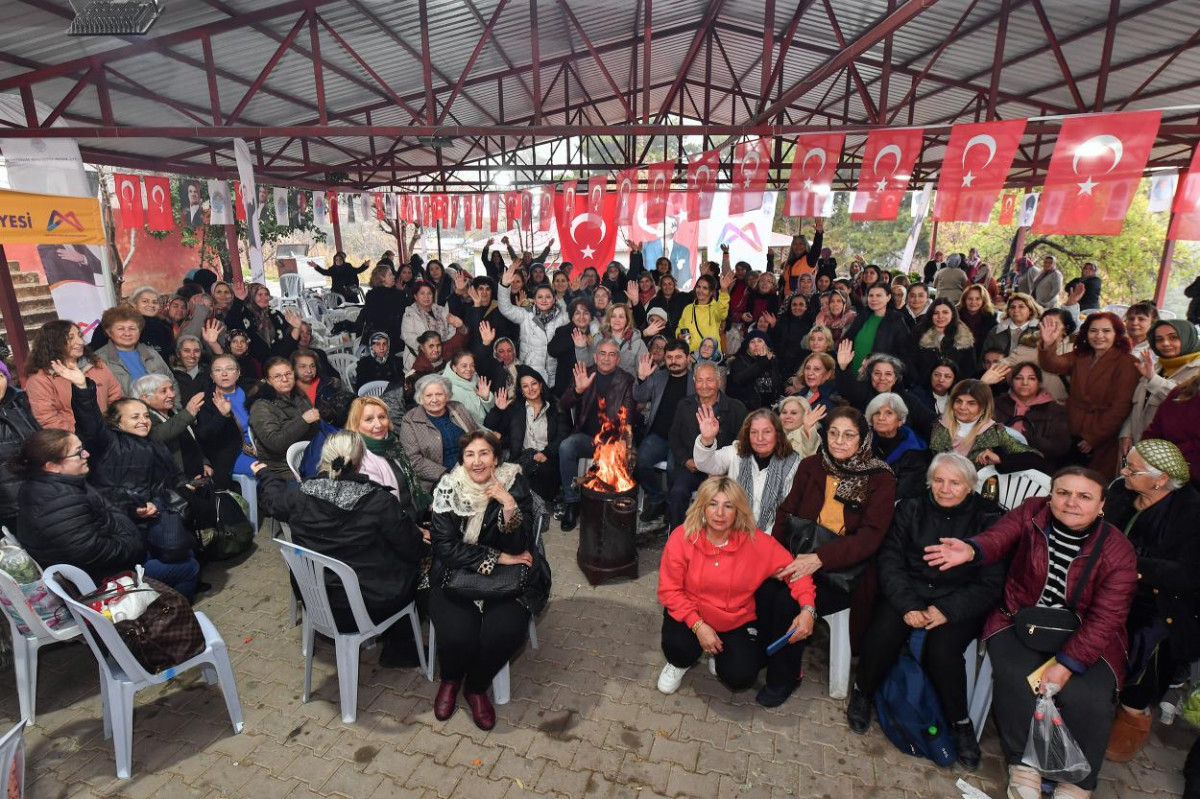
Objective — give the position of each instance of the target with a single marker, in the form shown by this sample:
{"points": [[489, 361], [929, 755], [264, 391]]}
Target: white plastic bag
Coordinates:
{"points": [[128, 597], [1050, 748]]}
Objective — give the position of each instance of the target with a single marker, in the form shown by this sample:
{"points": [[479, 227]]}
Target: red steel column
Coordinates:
{"points": [[11, 309]]}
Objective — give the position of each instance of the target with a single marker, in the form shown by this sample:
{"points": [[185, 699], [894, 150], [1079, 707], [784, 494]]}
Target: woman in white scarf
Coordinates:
{"points": [[473, 391]]}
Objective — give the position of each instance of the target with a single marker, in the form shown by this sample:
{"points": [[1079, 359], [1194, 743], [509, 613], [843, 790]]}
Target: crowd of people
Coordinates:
{"points": [[853, 409]]}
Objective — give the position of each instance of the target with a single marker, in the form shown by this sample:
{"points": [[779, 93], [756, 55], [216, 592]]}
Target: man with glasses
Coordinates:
{"points": [[591, 385]]}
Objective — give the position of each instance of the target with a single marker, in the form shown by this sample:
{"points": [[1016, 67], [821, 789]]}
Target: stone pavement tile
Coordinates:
{"points": [[821, 786], [761, 743], [776, 722], [844, 764], [536, 692], [668, 723], [684, 782], [643, 772], [265, 785], [473, 786], [274, 758], [512, 766], [805, 753], [1156, 780], [311, 735], [1107, 789], [645, 695], [509, 736], [177, 789], [686, 704], [615, 711], [436, 778], [766, 771], [630, 739], [593, 758], [390, 789], [683, 753], [560, 750], [226, 776], [568, 781], [350, 781], [738, 714], [712, 732], [396, 764], [474, 757], [719, 761], [395, 704], [737, 788]]}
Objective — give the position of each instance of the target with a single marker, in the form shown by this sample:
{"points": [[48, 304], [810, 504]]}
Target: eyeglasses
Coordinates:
{"points": [[79, 453], [282, 376], [1132, 472], [225, 370], [837, 435]]}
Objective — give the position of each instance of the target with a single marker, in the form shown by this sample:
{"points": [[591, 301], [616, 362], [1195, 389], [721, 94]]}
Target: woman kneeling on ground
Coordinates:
{"points": [[719, 596]]}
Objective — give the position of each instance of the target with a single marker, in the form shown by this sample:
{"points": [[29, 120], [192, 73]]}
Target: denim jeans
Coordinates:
{"points": [[654, 450], [181, 576], [573, 447]]}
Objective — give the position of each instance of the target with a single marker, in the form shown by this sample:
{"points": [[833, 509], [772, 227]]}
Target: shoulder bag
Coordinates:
{"points": [[1047, 630], [805, 536]]}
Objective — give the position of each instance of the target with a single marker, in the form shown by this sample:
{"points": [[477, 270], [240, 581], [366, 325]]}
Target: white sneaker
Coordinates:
{"points": [[712, 665], [670, 679]]}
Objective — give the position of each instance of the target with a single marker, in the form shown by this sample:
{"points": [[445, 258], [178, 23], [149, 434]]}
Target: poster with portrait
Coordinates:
{"points": [[192, 207], [220, 208]]}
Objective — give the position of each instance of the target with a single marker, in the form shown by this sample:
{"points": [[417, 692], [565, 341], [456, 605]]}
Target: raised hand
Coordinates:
{"points": [[510, 272], [813, 417], [583, 380], [504, 240], [211, 332], [1145, 364], [819, 224], [949, 553], [727, 280], [845, 354], [70, 372], [223, 405], [473, 293], [1051, 330], [646, 366], [193, 405], [654, 327], [769, 318], [454, 321], [710, 425], [725, 249], [487, 333], [573, 282], [502, 399], [996, 373], [631, 292], [462, 281], [579, 338], [293, 319], [483, 387]]}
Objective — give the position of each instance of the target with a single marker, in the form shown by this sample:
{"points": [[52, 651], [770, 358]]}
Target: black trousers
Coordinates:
{"points": [[941, 656], [744, 651], [1147, 689], [545, 479], [471, 645], [398, 637], [1088, 702], [679, 497]]}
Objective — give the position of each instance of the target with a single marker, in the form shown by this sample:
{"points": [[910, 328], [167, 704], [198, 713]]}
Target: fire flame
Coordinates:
{"points": [[610, 463]]}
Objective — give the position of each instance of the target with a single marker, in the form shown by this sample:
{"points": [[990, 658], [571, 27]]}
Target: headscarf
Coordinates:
{"points": [[264, 324], [853, 473], [457, 493], [717, 357], [1166, 457], [1189, 350], [371, 346]]}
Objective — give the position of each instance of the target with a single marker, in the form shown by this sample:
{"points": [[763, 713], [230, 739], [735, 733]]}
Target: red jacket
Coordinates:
{"points": [[1021, 536], [698, 581]]}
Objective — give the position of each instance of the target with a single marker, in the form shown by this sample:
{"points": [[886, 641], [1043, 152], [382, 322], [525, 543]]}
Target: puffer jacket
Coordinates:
{"points": [[535, 337], [909, 583], [1022, 537], [356, 521], [450, 551], [958, 347], [276, 423], [16, 425], [64, 520], [423, 443]]}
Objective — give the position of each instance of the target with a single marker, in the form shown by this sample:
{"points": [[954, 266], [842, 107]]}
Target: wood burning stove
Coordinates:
{"points": [[608, 513]]}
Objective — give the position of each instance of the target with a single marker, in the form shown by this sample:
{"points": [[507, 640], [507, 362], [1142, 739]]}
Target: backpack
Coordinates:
{"points": [[234, 533], [909, 712]]}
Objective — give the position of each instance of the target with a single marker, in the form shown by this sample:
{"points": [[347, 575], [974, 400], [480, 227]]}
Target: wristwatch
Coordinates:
{"points": [[811, 610]]}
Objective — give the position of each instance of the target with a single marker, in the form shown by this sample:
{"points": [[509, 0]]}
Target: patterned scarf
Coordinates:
{"points": [[393, 450], [853, 473], [544, 318], [457, 493], [773, 490]]}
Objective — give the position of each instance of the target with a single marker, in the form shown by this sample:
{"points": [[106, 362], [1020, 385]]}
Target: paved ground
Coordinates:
{"points": [[584, 721]]}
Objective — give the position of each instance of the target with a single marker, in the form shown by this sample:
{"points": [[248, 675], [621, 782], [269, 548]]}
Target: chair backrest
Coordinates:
{"points": [[1015, 487], [14, 599], [1166, 313], [309, 567], [333, 300], [375, 388], [12, 758], [1118, 308], [290, 285], [346, 364], [295, 454], [114, 656]]}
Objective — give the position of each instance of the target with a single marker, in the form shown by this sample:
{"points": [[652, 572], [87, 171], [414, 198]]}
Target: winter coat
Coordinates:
{"points": [[859, 392], [651, 391], [511, 422], [369, 369], [239, 317], [450, 551], [754, 381], [1044, 287], [673, 305], [191, 386], [383, 311], [891, 337], [358, 522], [909, 583], [561, 351], [1100, 399], [64, 520], [535, 338], [416, 322], [50, 395], [1026, 350], [1046, 426], [221, 439], [16, 425], [1022, 537], [1176, 422], [684, 427], [423, 442], [276, 422], [501, 326], [344, 279], [177, 433], [909, 457], [996, 438], [151, 360], [619, 395], [630, 350], [463, 392], [699, 322], [949, 282], [958, 347], [1149, 394], [1007, 336], [980, 325]]}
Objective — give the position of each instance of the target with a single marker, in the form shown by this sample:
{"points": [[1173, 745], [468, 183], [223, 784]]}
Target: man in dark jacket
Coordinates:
{"points": [[1090, 301], [606, 383], [664, 389], [685, 477]]}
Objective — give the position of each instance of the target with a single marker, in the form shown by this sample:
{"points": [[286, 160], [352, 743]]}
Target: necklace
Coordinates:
{"points": [[722, 545]]}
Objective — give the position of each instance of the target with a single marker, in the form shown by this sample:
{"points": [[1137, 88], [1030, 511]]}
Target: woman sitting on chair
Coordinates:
{"points": [[483, 518], [280, 415], [385, 460], [969, 428], [915, 596], [719, 597], [344, 514]]}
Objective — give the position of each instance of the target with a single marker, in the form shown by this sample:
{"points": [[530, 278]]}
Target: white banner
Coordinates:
{"points": [[748, 235], [281, 206], [253, 203], [920, 207], [1029, 208], [220, 207], [1162, 190], [320, 209]]}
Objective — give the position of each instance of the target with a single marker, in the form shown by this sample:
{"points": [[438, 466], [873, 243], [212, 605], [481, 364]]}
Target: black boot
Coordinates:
{"points": [[570, 517], [653, 510], [858, 712], [967, 744]]}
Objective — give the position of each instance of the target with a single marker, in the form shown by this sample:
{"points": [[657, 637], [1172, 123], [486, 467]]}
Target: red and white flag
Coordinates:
{"points": [[751, 163], [587, 238], [887, 165], [627, 186], [129, 194], [512, 209], [379, 212], [545, 207], [702, 183], [564, 199], [158, 203], [439, 208], [974, 168], [493, 200], [659, 182], [1008, 209], [468, 213], [1097, 164], [1185, 224], [597, 186], [814, 163], [239, 207], [527, 208], [455, 204]]}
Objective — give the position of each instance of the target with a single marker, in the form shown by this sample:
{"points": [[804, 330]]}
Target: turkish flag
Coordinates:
{"points": [[129, 194], [454, 208], [1008, 208], [426, 211], [597, 184], [659, 180], [158, 203], [494, 210], [887, 164], [512, 209], [379, 214], [439, 208], [814, 163], [469, 213], [702, 183], [331, 197], [587, 239], [639, 230], [751, 162], [545, 208], [239, 209], [1095, 169], [974, 167], [627, 186], [527, 208], [1185, 219]]}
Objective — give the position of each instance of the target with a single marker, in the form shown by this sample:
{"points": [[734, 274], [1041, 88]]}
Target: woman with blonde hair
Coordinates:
{"points": [[719, 597], [801, 422], [385, 460], [969, 428]]}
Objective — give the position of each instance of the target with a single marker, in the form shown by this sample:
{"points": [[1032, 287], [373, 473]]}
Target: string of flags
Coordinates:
{"points": [[1095, 169]]}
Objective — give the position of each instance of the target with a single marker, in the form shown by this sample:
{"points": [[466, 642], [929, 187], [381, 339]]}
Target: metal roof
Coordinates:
{"points": [[214, 69]]}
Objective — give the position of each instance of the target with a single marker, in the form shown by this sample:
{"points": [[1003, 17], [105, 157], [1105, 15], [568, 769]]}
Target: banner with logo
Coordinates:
{"points": [[47, 219], [748, 235]]}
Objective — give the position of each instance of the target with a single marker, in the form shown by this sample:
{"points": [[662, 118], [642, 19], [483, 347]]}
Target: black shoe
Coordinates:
{"points": [[559, 509], [653, 511], [570, 517], [967, 744], [775, 695], [858, 712]]}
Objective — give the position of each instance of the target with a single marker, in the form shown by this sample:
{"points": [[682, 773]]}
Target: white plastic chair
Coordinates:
{"points": [[309, 569], [374, 388], [285, 534], [291, 287], [1166, 313], [346, 365], [248, 485], [839, 653], [12, 757], [121, 676], [26, 646], [1015, 487], [295, 454], [979, 693]]}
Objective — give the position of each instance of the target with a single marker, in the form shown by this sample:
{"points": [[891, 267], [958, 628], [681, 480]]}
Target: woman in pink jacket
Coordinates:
{"points": [[49, 394]]}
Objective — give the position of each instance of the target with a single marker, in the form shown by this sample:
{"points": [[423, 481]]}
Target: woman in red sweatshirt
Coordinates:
{"points": [[716, 583]]}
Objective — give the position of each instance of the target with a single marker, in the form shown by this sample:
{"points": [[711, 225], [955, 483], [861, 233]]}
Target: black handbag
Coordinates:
{"points": [[505, 582], [1047, 630], [805, 536]]}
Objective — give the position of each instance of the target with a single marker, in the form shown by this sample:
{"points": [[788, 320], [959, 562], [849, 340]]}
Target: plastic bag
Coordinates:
{"points": [[16, 562], [1050, 748], [124, 597]]}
